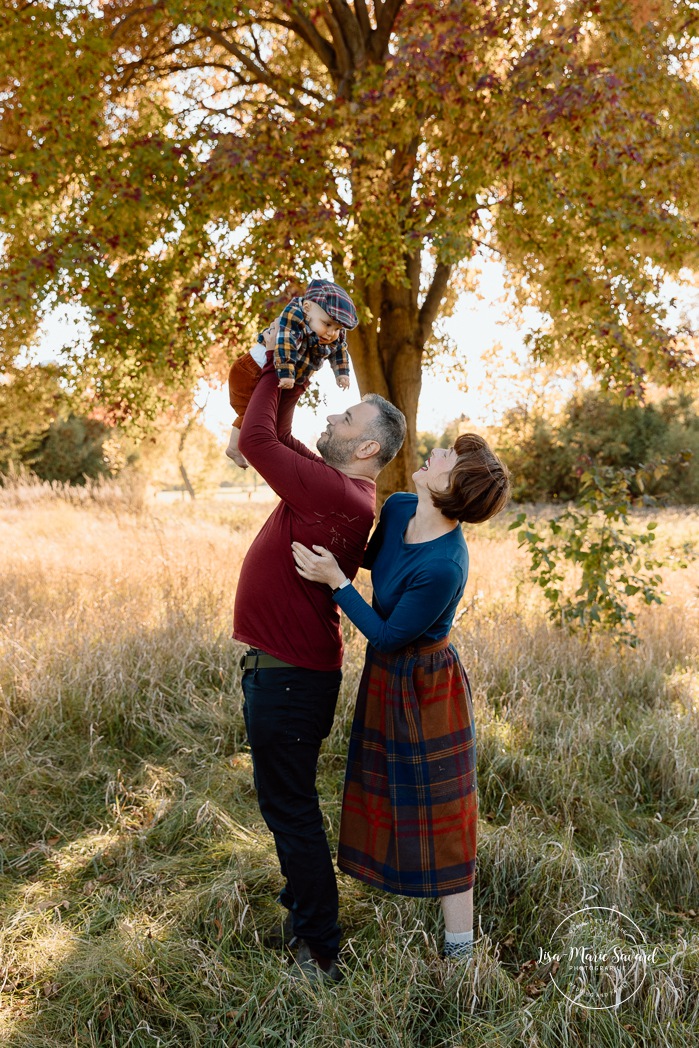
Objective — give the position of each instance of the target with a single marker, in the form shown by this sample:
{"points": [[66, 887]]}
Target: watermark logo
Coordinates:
{"points": [[598, 957]]}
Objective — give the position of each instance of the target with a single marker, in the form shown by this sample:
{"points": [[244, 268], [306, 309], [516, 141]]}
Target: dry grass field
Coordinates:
{"points": [[136, 874]]}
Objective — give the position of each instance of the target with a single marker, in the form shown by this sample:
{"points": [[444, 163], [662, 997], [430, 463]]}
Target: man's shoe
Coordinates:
{"points": [[280, 935], [313, 966]]}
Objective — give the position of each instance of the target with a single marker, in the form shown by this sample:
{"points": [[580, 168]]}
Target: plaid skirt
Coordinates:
{"points": [[410, 806]]}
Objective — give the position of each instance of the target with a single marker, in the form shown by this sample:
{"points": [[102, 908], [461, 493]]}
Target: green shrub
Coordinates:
{"points": [[615, 562], [72, 451], [548, 454]]}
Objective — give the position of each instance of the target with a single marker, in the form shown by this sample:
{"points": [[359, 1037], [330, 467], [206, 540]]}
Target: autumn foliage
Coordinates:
{"points": [[171, 167]]}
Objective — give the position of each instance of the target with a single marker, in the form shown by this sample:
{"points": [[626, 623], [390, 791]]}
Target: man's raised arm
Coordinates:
{"points": [[288, 466]]}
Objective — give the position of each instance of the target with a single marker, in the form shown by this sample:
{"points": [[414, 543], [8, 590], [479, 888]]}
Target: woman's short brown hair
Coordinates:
{"points": [[479, 483]]}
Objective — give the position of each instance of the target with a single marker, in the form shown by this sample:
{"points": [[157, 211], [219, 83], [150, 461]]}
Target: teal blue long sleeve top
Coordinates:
{"points": [[417, 586]]}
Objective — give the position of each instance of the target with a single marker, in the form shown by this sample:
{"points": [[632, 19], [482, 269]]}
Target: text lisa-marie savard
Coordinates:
{"points": [[588, 957]]}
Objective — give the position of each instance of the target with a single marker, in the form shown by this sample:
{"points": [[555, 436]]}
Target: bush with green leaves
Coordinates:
{"points": [[72, 451], [32, 398], [543, 450], [615, 562]]}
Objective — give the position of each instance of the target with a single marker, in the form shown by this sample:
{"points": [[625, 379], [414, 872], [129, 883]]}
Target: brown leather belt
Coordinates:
{"points": [[413, 650], [255, 659]]}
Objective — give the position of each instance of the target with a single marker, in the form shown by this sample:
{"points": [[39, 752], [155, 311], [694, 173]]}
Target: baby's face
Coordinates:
{"points": [[319, 321]]}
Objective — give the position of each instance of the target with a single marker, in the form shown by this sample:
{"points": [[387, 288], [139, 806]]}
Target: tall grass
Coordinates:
{"points": [[136, 875]]}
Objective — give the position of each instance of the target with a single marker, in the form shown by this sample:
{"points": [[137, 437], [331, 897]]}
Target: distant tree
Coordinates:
{"points": [[198, 456], [40, 429], [681, 412], [619, 435], [31, 400], [188, 456], [170, 166], [542, 468], [548, 454], [427, 442], [72, 451]]}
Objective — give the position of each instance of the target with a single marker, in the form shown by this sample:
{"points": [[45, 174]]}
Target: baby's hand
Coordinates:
{"points": [[286, 383], [343, 382]]}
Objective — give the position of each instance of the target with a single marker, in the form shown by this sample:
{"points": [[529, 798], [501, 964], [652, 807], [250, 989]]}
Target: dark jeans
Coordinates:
{"points": [[288, 713]]}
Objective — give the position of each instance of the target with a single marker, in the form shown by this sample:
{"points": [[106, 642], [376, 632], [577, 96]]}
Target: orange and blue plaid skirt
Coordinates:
{"points": [[410, 806]]}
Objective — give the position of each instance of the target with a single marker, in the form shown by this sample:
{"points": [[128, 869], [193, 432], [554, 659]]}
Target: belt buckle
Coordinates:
{"points": [[249, 654]]}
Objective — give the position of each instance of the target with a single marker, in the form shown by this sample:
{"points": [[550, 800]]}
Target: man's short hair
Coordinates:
{"points": [[388, 428]]}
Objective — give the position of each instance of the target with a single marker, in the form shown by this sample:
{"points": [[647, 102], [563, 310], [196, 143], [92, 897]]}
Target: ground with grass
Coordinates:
{"points": [[136, 875]]}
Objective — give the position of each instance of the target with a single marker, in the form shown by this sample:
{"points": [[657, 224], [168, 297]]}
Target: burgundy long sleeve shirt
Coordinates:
{"points": [[275, 609]]}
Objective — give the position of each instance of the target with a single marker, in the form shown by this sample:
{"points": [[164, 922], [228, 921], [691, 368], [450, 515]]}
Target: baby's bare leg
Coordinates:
{"points": [[232, 449]]}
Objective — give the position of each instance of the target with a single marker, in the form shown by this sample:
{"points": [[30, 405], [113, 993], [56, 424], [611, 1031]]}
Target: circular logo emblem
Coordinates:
{"points": [[598, 957]]}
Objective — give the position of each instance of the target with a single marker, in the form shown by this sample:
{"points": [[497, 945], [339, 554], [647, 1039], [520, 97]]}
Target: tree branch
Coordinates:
{"points": [[209, 63], [262, 74], [129, 69], [360, 10], [488, 247], [338, 260], [351, 33], [342, 52], [433, 300], [403, 168], [412, 271], [256, 48], [136, 12], [386, 15], [315, 40]]}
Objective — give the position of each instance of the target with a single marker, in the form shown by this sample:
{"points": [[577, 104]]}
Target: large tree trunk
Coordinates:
{"points": [[387, 355], [387, 358]]}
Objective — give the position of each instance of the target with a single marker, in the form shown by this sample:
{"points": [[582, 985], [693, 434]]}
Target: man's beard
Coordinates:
{"points": [[335, 451]]}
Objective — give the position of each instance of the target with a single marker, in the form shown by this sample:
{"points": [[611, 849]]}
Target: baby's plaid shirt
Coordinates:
{"points": [[298, 351]]}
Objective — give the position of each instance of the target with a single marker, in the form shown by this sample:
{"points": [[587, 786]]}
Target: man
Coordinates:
{"points": [[292, 669]]}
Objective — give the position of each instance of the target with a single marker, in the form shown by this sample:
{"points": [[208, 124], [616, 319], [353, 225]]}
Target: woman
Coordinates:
{"points": [[410, 807]]}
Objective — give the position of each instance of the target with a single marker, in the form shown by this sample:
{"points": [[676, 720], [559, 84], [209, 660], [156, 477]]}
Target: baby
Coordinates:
{"points": [[310, 330]]}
